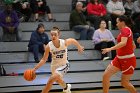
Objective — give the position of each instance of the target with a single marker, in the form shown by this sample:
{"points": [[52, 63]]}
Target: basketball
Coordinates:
{"points": [[29, 75]]}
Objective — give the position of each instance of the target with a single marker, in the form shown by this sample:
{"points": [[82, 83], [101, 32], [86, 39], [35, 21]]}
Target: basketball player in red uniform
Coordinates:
{"points": [[125, 60]]}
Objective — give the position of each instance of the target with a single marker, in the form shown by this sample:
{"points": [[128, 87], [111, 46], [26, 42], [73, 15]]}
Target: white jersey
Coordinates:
{"points": [[59, 55]]}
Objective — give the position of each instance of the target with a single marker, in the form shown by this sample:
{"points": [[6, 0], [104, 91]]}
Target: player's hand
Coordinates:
{"points": [[80, 49], [33, 69], [106, 50], [138, 40]]}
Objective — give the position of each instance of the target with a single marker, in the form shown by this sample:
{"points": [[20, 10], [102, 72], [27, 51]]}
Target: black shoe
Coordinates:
{"points": [[37, 20], [36, 61], [52, 20]]}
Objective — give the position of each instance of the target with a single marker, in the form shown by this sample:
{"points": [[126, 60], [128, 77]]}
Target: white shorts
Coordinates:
{"points": [[62, 69]]}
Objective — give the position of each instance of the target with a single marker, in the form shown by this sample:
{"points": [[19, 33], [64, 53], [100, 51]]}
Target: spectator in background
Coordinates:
{"points": [[40, 6], [129, 5], [85, 2], [104, 2], [38, 41], [9, 23], [122, 1], [96, 11], [103, 38], [136, 18], [115, 8], [8, 1], [79, 24], [136, 10], [23, 9], [136, 31], [1, 5]]}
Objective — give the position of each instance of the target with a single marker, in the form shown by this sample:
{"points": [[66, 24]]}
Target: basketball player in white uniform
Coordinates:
{"points": [[59, 64]]}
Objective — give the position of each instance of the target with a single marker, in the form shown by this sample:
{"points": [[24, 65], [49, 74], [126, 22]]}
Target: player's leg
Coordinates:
{"points": [[61, 82], [110, 70], [127, 71], [66, 87], [125, 82], [49, 84], [61, 72]]}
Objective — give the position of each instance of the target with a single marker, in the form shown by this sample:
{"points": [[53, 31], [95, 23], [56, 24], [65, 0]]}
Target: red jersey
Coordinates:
{"points": [[128, 48], [94, 9]]}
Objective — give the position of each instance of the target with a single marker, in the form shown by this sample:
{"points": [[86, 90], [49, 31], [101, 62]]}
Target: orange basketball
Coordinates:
{"points": [[29, 75]]}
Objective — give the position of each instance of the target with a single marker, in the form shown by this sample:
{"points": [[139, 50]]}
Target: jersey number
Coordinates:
{"points": [[59, 56]]}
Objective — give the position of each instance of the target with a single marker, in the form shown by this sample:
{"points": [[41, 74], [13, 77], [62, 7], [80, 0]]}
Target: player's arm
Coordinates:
{"points": [[117, 46], [120, 44], [44, 58], [134, 45], [72, 41]]}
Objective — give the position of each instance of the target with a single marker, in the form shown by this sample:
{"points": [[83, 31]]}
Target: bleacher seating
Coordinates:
{"points": [[22, 46], [64, 34], [61, 16], [86, 69]]}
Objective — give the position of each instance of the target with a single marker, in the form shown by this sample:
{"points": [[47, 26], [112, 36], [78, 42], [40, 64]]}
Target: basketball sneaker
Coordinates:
{"points": [[68, 90]]}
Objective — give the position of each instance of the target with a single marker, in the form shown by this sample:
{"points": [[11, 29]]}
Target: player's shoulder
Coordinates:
{"points": [[62, 39], [50, 44], [47, 47], [126, 30], [67, 41]]}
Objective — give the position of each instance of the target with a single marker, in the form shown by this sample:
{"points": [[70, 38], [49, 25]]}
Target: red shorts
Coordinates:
{"points": [[126, 65]]}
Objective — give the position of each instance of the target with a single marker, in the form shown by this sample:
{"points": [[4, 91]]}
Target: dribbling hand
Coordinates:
{"points": [[33, 69]]}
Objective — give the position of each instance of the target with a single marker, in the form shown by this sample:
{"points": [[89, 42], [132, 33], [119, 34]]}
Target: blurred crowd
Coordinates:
{"points": [[87, 17]]}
